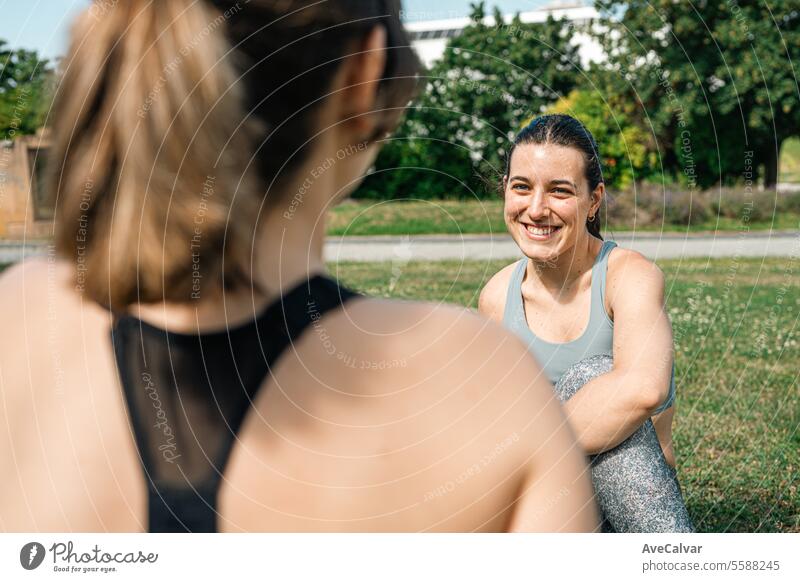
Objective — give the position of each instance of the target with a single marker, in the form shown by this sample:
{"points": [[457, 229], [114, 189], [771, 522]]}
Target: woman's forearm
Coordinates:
{"points": [[608, 410]]}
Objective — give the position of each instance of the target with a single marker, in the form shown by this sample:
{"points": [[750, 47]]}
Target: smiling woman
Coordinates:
{"points": [[593, 315], [562, 139]]}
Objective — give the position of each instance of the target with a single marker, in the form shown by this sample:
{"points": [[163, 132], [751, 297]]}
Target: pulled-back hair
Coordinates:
{"points": [[566, 131], [176, 121]]}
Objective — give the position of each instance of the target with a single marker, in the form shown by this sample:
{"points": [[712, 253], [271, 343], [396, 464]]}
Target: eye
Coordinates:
{"points": [[520, 186], [563, 191]]}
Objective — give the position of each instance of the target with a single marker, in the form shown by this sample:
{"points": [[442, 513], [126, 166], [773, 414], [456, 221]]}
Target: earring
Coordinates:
{"points": [[592, 217]]}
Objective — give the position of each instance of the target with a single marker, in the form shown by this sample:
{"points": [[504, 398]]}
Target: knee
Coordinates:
{"points": [[582, 372]]}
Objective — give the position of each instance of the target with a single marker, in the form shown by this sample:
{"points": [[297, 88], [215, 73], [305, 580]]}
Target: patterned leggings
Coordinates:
{"points": [[635, 488]]}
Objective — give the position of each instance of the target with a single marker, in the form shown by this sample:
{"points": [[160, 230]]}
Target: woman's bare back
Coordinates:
{"points": [[423, 418]]}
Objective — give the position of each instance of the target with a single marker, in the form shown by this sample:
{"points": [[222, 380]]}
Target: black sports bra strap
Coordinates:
{"points": [[188, 395]]}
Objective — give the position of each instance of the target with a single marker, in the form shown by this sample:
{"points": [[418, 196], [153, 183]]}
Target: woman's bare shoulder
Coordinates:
{"points": [[632, 277], [492, 301], [34, 280], [23, 284], [432, 343], [412, 321], [13, 277], [41, 289]]}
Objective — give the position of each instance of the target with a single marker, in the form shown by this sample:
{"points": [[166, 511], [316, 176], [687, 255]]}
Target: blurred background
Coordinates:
{"points": [[695, 107]]}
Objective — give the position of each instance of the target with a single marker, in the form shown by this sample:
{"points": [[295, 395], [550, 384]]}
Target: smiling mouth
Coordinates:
{"points": [[540, 232]]}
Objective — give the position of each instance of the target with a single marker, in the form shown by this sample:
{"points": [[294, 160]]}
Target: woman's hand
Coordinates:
{"points": [[611, 407]]}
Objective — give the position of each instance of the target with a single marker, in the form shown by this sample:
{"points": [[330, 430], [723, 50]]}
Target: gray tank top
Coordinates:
{"points": [[597, 338]]}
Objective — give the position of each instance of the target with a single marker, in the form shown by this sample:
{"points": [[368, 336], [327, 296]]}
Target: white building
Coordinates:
{"points": [[430, 37]]}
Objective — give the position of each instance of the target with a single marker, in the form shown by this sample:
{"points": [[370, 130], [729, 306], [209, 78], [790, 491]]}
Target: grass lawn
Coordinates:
{"points": [[737, 430], [481, 217]]}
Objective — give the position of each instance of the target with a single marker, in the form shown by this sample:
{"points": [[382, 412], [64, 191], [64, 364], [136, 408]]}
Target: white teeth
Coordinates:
{"points": [[541, 231]]}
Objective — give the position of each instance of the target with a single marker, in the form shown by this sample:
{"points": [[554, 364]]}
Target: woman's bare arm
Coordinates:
{"points": [[612, 406]]}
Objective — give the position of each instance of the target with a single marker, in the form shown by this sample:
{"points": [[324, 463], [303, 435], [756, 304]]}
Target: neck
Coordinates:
{"points": [[290, 242], [287, 250], [560, 273]]}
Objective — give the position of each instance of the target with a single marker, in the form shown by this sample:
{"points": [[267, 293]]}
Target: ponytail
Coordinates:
{"points": [[145, 200], [178, 121]]}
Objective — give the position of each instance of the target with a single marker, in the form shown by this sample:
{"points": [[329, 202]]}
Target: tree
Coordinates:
{"points": [[490, 79], [714, 79], [24, 86]]}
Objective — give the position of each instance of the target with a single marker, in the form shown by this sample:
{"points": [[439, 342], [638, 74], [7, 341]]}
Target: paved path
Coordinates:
{"points": [[486, 247]]}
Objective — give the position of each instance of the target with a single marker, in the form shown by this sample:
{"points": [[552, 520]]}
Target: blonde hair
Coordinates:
{"points": [[161, 106]]}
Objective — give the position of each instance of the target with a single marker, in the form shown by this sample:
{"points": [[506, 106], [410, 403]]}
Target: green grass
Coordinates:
{"points": [[417, 217], [359, 218], [737, 430]]}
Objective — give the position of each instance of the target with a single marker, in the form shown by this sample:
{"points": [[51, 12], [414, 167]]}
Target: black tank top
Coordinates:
{"points": [[187, 397]]}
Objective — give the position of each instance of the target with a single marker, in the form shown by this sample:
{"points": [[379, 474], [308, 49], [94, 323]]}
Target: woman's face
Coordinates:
{"points": [[547, 199]]}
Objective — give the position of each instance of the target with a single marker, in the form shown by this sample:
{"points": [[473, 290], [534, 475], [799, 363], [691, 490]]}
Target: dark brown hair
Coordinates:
{"points": [[160, 108]]}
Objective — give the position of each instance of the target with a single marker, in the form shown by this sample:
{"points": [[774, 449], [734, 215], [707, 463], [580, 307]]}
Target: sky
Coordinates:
{"points": [[38, 24], [43, 25]]}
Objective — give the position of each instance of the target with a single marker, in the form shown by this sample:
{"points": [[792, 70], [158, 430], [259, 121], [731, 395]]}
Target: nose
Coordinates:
{"points": [[538, 208]]}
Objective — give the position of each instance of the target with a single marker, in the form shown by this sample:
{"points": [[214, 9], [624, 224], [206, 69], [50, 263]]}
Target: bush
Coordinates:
{"points": [[686, 207], [737, 204], [655, 204], [789, 202]]}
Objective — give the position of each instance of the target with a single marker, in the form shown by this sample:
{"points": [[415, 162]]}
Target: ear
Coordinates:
{"points": [[505, 184], [363, 73], [597, 199]]}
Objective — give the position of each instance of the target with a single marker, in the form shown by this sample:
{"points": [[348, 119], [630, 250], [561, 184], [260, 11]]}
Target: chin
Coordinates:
{"points": [[539, 253]]}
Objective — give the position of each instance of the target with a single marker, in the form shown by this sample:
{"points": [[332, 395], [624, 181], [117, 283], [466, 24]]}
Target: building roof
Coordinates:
{"points": [[430, 37], [446, 28]]}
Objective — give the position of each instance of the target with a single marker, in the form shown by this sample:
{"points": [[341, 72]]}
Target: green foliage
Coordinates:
{"points": [[712, 80], [623, 145], [490, 79], [696, 95], [24, 90]]}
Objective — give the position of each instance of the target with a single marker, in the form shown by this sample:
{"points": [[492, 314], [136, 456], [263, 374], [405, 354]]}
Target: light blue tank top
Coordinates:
{"points": [[597, 338]]}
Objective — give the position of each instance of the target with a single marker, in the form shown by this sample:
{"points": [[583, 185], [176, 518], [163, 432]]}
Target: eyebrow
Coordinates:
{"points": [[556, 182]]}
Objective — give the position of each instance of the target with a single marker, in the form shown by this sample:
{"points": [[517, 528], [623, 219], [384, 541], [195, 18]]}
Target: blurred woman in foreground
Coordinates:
{"points": [[185, 364]]}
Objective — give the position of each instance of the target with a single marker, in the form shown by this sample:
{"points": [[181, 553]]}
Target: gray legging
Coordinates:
{"points": [[636, 489]]}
